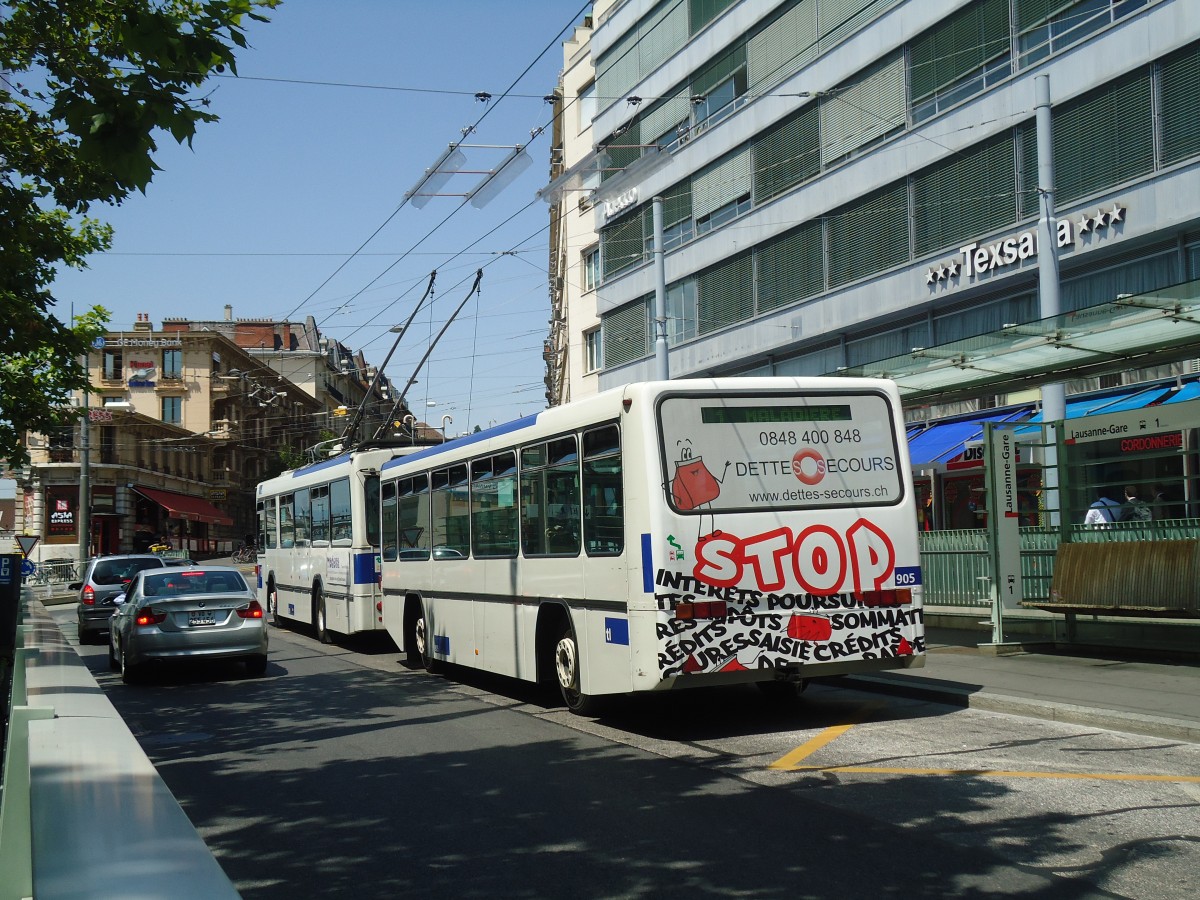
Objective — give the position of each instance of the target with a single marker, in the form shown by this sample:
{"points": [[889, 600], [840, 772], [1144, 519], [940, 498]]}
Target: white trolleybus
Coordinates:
{"points": [[656, 536], [318, 544]]}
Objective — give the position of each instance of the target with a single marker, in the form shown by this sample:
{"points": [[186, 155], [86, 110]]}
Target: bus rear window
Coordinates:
{"points": [[736, 453]]}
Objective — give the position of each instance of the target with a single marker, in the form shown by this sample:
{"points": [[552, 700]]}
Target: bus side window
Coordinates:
{"points": [[287, 525], [387, 503], [412, 514], [603, 497], [451, 513], [341, 529], [270, 522], [302, 516], [320, 516], [550, 498]]}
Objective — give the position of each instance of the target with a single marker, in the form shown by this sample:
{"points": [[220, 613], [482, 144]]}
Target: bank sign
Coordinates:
{"points": [[976, 259]]}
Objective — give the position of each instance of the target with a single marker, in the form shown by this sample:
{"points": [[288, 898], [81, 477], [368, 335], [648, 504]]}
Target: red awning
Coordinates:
{"points": [[185, 506]]}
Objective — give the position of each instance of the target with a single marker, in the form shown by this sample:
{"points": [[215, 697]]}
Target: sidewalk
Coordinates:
{"points": [[1114, 691]]}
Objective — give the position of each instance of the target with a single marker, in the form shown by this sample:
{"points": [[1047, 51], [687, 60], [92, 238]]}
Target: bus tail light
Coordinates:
{"points": [[885, 597], [252, 611], [704, 609], [150, 616]]}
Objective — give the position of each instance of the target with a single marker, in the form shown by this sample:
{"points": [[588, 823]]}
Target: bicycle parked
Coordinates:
{"points": [[246, 554]]}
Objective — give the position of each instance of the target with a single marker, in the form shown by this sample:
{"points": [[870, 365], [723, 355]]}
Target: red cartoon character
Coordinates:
{"points": [[694, 485]]}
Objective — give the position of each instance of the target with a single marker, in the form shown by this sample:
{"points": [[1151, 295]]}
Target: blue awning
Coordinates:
{"points": [[945, 440], [1189, 391], [1089, 406]]}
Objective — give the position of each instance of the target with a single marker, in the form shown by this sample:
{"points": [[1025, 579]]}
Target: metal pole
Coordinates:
{"points": [[662, 368], [84, 519], [1054, 403]]}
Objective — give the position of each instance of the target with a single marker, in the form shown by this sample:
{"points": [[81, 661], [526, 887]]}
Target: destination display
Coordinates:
{"points": [[736, 453]]}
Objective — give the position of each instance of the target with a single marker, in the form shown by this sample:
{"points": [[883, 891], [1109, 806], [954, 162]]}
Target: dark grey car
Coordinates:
{"points": [[104, 578]]}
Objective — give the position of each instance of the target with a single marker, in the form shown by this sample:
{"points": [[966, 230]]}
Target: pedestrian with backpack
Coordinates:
{"points": [[1134, 509]]}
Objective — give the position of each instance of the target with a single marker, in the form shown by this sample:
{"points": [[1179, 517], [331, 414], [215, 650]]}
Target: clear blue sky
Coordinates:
{"points": [[271, 200]]}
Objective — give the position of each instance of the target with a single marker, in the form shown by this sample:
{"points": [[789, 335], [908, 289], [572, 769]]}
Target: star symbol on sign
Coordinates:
{"points": [[941, 273], [1117, 213], [1100, 218], [930, 276], [1085, 224], [952, 269]]}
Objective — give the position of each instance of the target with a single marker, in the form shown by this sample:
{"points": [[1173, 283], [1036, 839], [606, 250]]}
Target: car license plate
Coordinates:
{"points": [[201, 619]]}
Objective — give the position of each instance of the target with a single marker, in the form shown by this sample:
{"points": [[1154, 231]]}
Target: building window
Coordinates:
{"points": [[1040, 35], [114, 365], [587, 106], [593, 350], [172, 363], [591, 267], [172, 410], [719, 217], [681, 312]]}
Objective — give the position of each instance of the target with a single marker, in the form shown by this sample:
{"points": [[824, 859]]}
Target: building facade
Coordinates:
{"points": [[846, 181], [181, 428]]}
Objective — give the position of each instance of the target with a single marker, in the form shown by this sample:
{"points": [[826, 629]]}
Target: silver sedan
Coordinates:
{"points": [[200, 612]]}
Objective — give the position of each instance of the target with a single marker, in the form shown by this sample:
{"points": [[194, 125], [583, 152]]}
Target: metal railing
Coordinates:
{"points": [[956, 567]]}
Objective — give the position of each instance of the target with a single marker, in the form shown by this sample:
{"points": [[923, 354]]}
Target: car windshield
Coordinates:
{"points": [[115, 571], [192, 581]]}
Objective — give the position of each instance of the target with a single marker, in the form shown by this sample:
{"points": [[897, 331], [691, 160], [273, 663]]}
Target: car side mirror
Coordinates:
{"points": [[118, 600]]}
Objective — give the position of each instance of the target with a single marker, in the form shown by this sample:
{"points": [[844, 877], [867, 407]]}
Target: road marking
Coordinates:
{"points": [[809, 747], [789, 760], [976, 773]]}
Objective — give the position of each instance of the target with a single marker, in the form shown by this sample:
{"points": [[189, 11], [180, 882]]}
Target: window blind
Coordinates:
{"points": [[726, 294], [790, 268], [787, 154], [958, 46], [625, 333], [721, 183], [783, 46], [869, 235], [1180, 88], [969, 194], [863, 109]]}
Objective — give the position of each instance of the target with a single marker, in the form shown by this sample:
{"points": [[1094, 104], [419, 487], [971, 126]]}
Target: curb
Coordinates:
{"points": [[976, 697]]}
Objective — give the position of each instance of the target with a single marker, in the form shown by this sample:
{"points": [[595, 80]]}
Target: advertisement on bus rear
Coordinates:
{"points": [[804, 551], [746, 453]]}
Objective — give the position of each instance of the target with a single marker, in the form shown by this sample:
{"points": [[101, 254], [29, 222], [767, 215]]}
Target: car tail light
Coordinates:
{"points": [[253, 611], [150, 616], [89, 595], [705, 609]]}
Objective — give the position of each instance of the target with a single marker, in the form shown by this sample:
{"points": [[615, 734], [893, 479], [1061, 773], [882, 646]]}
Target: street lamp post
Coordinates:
{"points": [[84, 518]]}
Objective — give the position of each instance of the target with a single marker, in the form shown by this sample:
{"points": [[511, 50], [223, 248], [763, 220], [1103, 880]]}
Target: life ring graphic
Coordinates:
{"points": [[798, 461]]}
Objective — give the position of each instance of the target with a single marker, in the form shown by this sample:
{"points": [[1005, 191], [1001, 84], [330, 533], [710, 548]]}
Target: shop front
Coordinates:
{"points": [[185, 521]]}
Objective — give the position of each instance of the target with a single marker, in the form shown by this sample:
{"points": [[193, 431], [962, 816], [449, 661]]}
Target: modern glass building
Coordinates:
{"points": [[845, 181]]}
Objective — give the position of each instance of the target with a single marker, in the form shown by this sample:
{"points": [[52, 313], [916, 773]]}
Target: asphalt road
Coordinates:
{"points": [[343, 773]]}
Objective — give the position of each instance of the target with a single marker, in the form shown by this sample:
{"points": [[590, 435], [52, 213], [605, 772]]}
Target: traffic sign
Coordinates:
{"points": [[27, 542], [27, 568]]}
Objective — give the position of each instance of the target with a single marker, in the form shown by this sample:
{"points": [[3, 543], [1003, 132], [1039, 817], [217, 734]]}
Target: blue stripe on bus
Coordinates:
{"points": [[647, 565], [506, 428], [324, 464], [364, 568]]}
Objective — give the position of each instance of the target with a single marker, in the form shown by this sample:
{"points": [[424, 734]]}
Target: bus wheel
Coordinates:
{"points": [[319, 620], [566, 667], [420, 647], [273, 604]]}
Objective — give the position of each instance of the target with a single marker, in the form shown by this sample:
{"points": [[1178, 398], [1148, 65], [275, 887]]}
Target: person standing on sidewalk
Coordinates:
{"points": [[1134, 509], [1102, 513]]}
